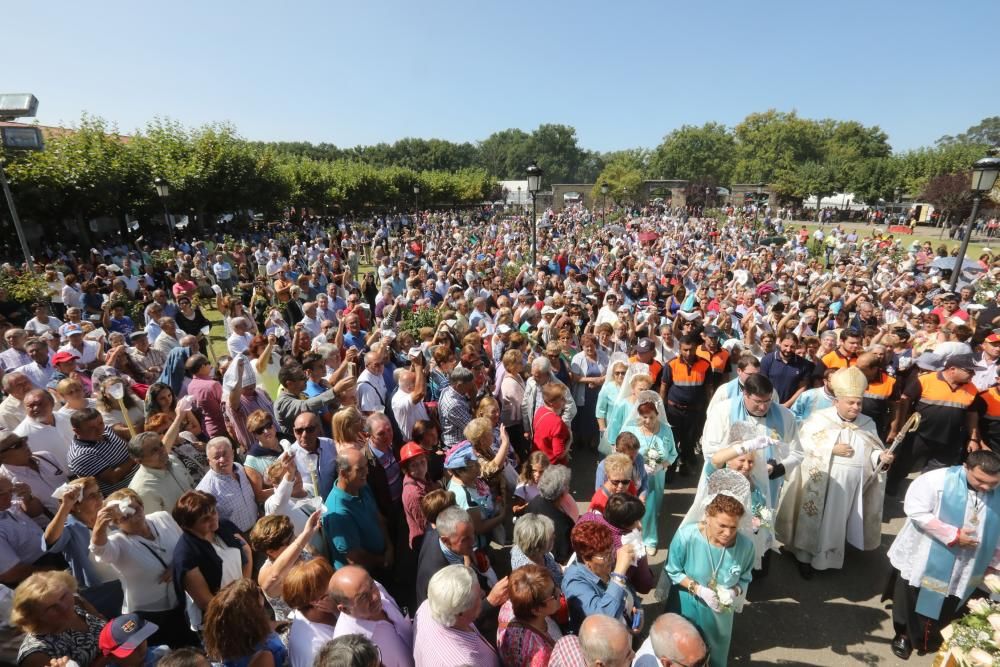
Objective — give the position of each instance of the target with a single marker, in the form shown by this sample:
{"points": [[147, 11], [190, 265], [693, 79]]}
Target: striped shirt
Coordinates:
{"points": [[455, 414], [435, 645], [87, 458], [236, 500]]}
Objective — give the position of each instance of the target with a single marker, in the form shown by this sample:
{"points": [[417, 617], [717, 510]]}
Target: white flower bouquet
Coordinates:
{"points": [[763, 517], [652, 459], [726, 599], [974, 639]]}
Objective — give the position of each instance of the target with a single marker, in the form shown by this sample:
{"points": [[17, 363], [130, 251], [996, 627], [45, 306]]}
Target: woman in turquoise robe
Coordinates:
{"points": [[607, 399], [637, 379], [705, 559], [649, 425]]}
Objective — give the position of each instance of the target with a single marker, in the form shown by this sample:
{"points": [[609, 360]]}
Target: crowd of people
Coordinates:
{"points": [[377, 468]]}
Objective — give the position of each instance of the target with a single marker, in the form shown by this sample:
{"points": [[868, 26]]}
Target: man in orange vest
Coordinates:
{"points": [[687, 384], [987, 407], [846, 353], [645, 352], [881, 394], [949, 427], [712, 352]]}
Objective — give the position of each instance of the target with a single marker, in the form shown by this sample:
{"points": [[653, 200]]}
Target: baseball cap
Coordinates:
{"points": [[645, 346], [503, 328], [71, 329], [124, 634], [712, 331], [949, 296], [459, 456], [63, 357], [964, 361], [993, 338]]}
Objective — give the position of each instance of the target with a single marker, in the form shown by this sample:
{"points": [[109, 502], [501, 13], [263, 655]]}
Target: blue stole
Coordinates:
{"points": [[774, 423], [941, 559]]}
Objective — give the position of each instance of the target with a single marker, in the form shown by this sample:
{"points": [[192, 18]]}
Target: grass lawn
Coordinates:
{"points": [[922, 234]]}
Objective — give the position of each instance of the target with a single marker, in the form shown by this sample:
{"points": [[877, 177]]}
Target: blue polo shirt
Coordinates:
{"points": [[351, 522], [786, 377]]}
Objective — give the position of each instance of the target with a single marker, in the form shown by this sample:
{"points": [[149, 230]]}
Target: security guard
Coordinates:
{"points": [[949, 427], [846, 353], [712, 352], [688, 383], [880, 397], [987, 406]]}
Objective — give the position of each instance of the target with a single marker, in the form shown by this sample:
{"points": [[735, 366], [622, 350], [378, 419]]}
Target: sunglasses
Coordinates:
{"points": [[265, 427], [304, 429], [619, 482]]}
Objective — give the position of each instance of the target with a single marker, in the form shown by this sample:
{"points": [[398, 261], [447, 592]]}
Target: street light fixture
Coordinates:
{"points": [[604, 203], [416, 197], [163, 191], [756, 208], [12, 107], [534, 184], [984, 177], [708, 193]]}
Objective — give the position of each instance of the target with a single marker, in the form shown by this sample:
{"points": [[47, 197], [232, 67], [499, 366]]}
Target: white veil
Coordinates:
{"points": [[613, 360], [634, 368], [647, 396]]}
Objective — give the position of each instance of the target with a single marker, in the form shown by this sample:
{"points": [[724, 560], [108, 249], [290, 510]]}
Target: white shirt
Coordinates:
{"points": [[371, 392], [393, 637], [55, 439], [11, 413], [49, 476], [140, 570], [305, 639], [297, 510], [237, 343], [36, 327], [407, 412], [85, 356], [38, 375]]}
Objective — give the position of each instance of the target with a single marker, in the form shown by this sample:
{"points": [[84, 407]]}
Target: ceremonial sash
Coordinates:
{"points": [[941, 559]]}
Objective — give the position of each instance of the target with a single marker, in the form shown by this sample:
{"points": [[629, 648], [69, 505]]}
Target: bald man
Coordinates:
{"points": [[673, 640], [603, 642], [367, 609]]}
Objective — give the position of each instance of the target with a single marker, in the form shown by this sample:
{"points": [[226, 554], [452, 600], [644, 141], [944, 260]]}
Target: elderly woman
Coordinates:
{"points": [[527, 633], [140, 551], [637, 380], [305, 590], [618, 478], [626, 443], [265, 451], [493, 464], [511, 395], [623, 515], [69, 533], [57, 623], [209, 554], [472, 493], [607, 397], [711, 563], [549, 432], [291, 499], [238, 630], [445, 634], [206, 394], [553, 488], [238, 490], [596, 582], [534, 538], [587, 369], [243, 395], [348, 429]]}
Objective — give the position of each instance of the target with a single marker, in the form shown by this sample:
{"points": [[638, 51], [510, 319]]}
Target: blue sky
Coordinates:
{"points": [[623, 74]]}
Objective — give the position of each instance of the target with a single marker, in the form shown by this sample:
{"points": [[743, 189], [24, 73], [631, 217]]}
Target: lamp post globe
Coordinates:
{"points": [[984, 177], [604, 203], [534, 184], [163, 191]]}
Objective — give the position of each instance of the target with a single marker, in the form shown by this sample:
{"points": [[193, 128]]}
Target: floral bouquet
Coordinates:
{"points": [[652, 459], [726, 599], [763, 517], [974, 639]]}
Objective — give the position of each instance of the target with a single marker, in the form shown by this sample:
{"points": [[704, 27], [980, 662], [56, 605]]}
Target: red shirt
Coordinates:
{"points": [[551, 435]]}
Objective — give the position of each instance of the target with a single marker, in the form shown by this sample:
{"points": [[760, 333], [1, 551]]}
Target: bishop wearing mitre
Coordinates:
{"points": [[835, 497]]}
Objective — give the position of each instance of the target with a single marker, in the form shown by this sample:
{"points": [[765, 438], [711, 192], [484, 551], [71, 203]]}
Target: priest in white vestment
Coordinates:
{"points": [[949, 543], [835, 497], [768, 419]]}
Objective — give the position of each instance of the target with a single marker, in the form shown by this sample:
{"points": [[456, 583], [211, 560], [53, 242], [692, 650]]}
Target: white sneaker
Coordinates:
{"points": [[650, 551]]}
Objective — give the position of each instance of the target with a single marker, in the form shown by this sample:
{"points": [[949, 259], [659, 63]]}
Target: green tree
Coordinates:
{"points": [[695, 153], [557, 153], [986, 132], [506, 154], [623, 174], [805, 180], [773, 143]]}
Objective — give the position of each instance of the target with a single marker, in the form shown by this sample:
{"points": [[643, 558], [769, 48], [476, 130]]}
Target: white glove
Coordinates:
{"points": [[758, 443], [709, 597]]}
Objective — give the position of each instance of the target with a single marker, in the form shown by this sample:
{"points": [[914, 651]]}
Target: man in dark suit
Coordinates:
{"points": [[453, 542]]}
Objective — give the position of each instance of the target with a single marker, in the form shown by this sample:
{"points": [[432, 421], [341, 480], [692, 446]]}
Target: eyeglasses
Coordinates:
{"points": [[619, 374], [619, 482], [304, 429], [17, 444], [264, 427]]}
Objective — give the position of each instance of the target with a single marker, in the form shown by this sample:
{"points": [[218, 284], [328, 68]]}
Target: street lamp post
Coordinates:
{"points": [[534, 184], [756, 208], [12, 107], [984, 177], [163, 191], [416, 197], [708, 193], [604, 203]]}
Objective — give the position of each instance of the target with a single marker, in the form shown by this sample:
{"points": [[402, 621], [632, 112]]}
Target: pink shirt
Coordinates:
{"points": [[207, 395]]}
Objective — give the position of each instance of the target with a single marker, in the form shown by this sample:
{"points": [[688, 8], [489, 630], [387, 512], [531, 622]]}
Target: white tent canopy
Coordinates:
{"points": [[841, 200]]}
